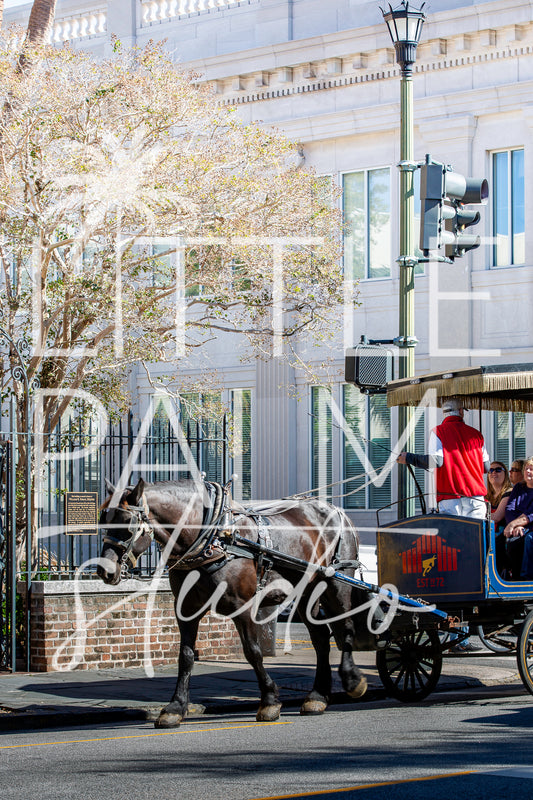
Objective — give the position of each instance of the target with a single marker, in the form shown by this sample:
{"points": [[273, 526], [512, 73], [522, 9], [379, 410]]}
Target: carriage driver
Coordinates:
{"points": [[458, 452]]}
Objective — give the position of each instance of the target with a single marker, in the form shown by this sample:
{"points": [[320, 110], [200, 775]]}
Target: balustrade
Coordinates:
{"points": [[88, 23], [161, 10]]}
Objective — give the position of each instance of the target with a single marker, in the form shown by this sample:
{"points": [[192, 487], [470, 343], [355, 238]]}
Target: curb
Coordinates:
{"points": [[33, 718]]}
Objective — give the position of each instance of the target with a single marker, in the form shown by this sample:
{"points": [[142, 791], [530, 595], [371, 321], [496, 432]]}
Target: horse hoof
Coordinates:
{"points": [[360, 689], [168, 721], [268, 713], [312, 708]]}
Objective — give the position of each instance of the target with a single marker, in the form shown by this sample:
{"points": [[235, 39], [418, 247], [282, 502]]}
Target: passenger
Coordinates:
{"points": [[516, 471], [459, 454], [519, 528], [498, 493]]}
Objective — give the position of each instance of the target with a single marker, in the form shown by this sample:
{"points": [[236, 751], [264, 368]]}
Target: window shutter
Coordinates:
{"points": [[241, 405], [321, 467], [379, 494], [519, 436], [420, 447], [354, 414]]}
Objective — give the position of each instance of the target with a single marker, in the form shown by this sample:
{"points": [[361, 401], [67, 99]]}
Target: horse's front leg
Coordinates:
{"points": [[270, 707], [172, 714]]}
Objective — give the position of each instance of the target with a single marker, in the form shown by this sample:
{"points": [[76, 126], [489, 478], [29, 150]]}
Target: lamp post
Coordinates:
{"points": [[405, 27]]}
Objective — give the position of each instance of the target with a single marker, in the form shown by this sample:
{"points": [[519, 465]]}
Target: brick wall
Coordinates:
{"points": [[87, 625]]}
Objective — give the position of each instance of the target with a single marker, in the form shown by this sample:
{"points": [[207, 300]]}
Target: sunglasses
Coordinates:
{"points": [[515, 469], [496, 469]]}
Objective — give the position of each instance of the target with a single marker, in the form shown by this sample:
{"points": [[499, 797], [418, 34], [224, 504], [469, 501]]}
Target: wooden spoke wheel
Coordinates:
{"points": [[524, 653], [502, 639], [410, 665]]}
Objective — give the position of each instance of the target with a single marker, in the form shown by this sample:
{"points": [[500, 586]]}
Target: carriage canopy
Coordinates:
{"points": [[502, 387]]}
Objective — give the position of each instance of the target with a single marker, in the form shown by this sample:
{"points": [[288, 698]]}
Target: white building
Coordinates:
{"points": [[326, 74]]}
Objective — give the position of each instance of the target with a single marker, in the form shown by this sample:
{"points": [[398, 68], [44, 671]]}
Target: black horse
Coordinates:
{"points": [[189, 522]]}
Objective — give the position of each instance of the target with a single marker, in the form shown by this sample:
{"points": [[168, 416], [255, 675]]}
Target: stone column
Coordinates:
{"points": [[274, 457], [122, 21]]}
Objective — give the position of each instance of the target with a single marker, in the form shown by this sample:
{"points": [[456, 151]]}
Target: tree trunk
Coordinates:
{"points": [[41, 20], [39, 26]]}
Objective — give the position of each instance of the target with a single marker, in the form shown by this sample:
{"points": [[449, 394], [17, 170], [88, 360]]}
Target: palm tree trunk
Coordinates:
{"points": [[41, 20], [39, 26]]}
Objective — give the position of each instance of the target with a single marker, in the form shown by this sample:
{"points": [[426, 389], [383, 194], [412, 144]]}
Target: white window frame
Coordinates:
{"points": [[366, 172]]}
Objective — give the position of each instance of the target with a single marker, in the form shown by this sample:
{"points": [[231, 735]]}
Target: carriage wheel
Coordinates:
{"points": [[502, 639], [524, 653], [410, 666]]}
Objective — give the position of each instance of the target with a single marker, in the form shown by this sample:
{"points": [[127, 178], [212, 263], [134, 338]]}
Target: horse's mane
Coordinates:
{"points": [[177, 488]]}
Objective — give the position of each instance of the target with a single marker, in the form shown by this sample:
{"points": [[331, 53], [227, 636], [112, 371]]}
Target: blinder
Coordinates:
{"points": [[137, 526]]}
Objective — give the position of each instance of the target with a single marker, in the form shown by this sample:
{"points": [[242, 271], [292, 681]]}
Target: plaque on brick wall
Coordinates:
{"points": [[81, 513]]}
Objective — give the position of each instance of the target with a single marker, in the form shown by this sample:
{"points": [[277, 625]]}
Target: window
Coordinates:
{"points": [[321, 456], [508, 208], [368, 418], [509, 436], [367, 242], [161, 441], [203, 425]]}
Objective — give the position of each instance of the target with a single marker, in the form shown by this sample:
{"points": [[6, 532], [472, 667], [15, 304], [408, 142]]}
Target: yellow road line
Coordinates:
{"points": [[146, 735], [365, 786]]}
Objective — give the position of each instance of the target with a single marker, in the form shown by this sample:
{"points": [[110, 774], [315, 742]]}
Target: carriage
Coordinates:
{"points": [[451, 561], [436, 573]]}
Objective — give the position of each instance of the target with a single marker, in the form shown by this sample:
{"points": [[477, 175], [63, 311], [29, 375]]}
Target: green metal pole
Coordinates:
{"points": [[407, 261]]}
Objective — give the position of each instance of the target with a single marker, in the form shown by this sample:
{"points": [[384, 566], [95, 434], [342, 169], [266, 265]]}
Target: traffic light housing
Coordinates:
{"points": [[443, 216], [461, 191], [433, 209]]}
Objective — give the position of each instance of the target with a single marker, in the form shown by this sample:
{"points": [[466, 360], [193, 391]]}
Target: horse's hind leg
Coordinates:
{"points": [[317, 700], [172, 714], [353, 681], [270, 707]]}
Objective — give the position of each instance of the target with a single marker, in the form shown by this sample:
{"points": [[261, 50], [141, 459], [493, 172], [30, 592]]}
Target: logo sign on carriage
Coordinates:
{"points": [[444, 559]]}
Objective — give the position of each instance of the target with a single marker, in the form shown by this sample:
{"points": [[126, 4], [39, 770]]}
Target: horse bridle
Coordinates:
{"points": [[138, 526]]}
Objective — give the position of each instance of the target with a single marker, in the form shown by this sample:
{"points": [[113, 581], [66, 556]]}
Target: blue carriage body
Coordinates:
{"points": [[444, 559]]}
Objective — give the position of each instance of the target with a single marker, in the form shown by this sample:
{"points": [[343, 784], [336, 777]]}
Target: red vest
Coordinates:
{"points": [[461, 474]]}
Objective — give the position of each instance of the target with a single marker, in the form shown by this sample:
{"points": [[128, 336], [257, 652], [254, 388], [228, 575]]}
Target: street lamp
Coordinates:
{"points": [[405, 27]]}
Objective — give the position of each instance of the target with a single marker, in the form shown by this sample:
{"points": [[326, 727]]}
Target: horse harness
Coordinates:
{"points": [[217, 542]]}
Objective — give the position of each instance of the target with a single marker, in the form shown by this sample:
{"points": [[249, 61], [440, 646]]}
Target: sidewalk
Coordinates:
{"points": [[59, 699]]}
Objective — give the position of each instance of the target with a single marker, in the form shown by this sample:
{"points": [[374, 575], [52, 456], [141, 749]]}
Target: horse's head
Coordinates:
{"points": [[127, 532]]}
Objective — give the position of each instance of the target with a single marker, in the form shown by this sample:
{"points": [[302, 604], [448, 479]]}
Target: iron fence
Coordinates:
{"points": [[159, 456]]}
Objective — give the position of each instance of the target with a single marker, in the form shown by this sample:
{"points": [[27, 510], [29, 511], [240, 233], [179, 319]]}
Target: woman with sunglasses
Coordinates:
{"points": [[519, 528], [498, 492], [516, 471]]}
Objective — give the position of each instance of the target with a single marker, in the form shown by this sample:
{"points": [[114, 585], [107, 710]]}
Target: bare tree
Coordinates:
{"points": [[102, 158]]}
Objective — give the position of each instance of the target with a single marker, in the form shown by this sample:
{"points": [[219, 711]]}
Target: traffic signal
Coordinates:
{"points": [[433, 209], [461, 191], [444, 218]]}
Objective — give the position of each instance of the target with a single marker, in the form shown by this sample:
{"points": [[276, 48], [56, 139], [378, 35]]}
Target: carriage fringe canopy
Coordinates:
{"points": [[500, 388]]}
